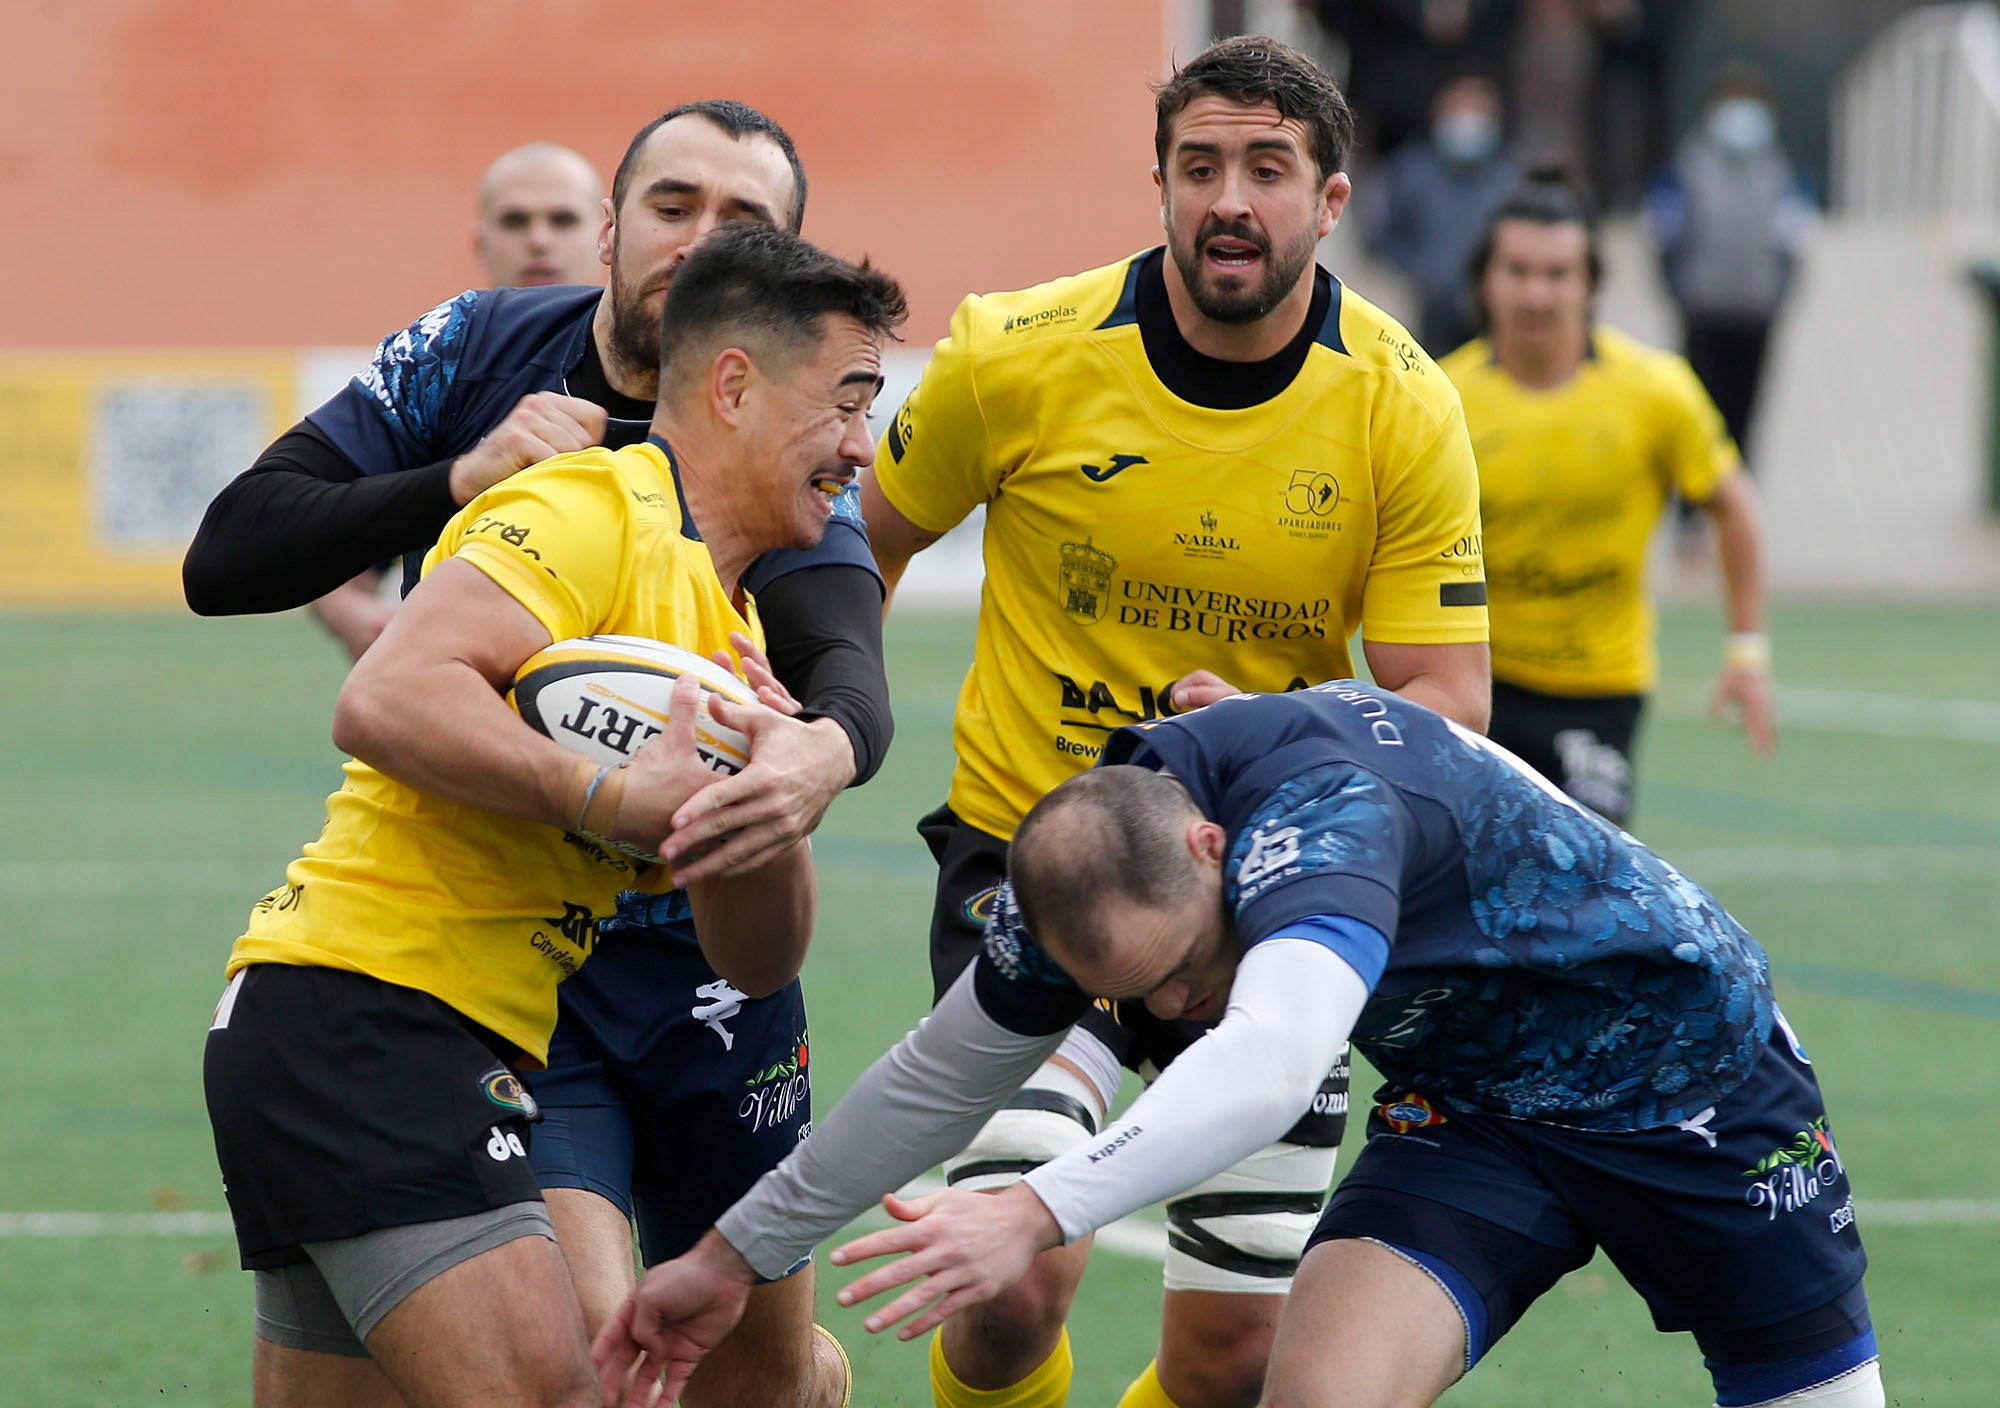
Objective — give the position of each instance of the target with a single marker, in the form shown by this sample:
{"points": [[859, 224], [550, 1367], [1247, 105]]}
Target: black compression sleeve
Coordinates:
{"points": [[302, 520], [823, 628]]}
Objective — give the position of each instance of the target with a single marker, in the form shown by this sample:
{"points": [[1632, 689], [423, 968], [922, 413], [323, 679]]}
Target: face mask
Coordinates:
{"points": [[1466, 136], [1741, 126]]}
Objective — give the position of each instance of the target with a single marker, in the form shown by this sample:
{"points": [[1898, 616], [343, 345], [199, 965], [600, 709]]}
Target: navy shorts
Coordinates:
{"points": [[667, 1090], [1730, 1222]]}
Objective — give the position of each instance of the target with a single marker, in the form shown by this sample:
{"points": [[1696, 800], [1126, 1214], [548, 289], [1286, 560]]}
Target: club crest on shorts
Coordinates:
{"points": [[504, 1089], [1408, 1112]]}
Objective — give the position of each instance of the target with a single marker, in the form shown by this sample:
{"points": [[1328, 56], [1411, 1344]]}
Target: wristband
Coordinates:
{"points": [[601, 797], [1747, 650]]}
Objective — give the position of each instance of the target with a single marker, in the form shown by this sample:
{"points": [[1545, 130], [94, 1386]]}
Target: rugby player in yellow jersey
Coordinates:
{"points": [[371, 1131], [1583, 436], [1205, 467]]}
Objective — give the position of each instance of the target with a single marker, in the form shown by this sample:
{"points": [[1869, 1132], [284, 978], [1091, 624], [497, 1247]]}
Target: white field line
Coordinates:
{"points": [[1820, 864], [1138, 1237], [1864, 865], [1856, 711]]}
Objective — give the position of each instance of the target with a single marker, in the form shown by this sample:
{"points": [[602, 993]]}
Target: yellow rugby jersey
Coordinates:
{"points": [[1132, 537], [1573, 481], [489, 912]]}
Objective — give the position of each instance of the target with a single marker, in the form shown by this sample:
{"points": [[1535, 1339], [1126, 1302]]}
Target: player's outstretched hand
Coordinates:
{"points": [[1198, 690], [541, 425], [742, 822], [963, 1248], [680, 1311], [757, 672], [663, 775], [1746, 692]]}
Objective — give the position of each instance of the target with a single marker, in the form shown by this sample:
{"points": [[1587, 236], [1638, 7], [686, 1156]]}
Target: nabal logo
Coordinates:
{"points": [[504, 1145], [1207, 540], [1270, 852]]}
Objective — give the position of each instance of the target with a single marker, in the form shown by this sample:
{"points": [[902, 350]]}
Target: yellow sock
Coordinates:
{"points": [[1146, 1391], [1047, 1387], [846, 1365]]}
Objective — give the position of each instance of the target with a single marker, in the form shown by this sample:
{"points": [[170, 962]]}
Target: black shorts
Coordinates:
{"points": [[342, 1105], [667, 1091], [971, 865], [1582, 744]]}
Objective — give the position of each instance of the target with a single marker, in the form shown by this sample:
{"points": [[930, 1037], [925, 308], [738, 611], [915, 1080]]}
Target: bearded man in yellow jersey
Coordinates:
{"points": [[1583, 437], [361, 1066], [1204, 468]]}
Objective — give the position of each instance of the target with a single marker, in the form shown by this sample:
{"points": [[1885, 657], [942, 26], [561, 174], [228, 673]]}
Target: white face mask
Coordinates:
{"points": [[1741, 125], [1466, 136]]}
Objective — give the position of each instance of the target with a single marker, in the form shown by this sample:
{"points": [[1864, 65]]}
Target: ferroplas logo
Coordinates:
{"points": [[1790, 1178]]}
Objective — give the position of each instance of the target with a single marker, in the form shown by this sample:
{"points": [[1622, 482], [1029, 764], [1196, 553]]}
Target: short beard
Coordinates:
{"points": [[635, 334], [1281, 276]]}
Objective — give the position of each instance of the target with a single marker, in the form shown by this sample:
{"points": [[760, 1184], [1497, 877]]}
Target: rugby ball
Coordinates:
{"points": [[603, 697]]}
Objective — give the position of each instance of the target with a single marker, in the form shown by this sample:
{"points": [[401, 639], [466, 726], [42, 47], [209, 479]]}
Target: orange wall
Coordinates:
{"points": [[223, 173]]}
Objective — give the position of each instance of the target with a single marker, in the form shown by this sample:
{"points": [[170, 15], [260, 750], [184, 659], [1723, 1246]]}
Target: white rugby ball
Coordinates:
{"points": [[604, 696]]}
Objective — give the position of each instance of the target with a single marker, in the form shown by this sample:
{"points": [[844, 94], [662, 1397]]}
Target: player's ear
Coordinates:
{"points": [[607, 232], [1207, 842], [1160, 182], [1332, 200], [729, 378]]}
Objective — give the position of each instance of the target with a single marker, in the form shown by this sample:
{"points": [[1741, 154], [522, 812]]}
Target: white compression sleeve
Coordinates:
{"points": [[920, 1103], [1231, 1093]]}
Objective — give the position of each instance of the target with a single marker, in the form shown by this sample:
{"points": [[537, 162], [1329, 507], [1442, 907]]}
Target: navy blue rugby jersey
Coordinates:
{"points": [[1541, 963], [435, 388]]}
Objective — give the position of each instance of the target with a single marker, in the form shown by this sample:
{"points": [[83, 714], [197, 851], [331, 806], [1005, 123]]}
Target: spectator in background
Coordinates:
{"points": [[538, 218], [1731, 215], [1399, 52], [1440, 192]]}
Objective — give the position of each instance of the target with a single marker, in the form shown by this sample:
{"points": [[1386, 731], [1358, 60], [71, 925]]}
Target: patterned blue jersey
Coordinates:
{"points": [[1542, 963], [435, 388]]}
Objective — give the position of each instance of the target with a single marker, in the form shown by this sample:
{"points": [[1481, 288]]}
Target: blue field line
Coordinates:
{"points": [[1868, 986]]}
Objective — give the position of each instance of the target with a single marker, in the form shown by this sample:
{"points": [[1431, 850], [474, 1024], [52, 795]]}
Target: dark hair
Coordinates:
{"points": [[1110, 833], [1252, 69], [767, 290], [1545, 196], [738, 120]]}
